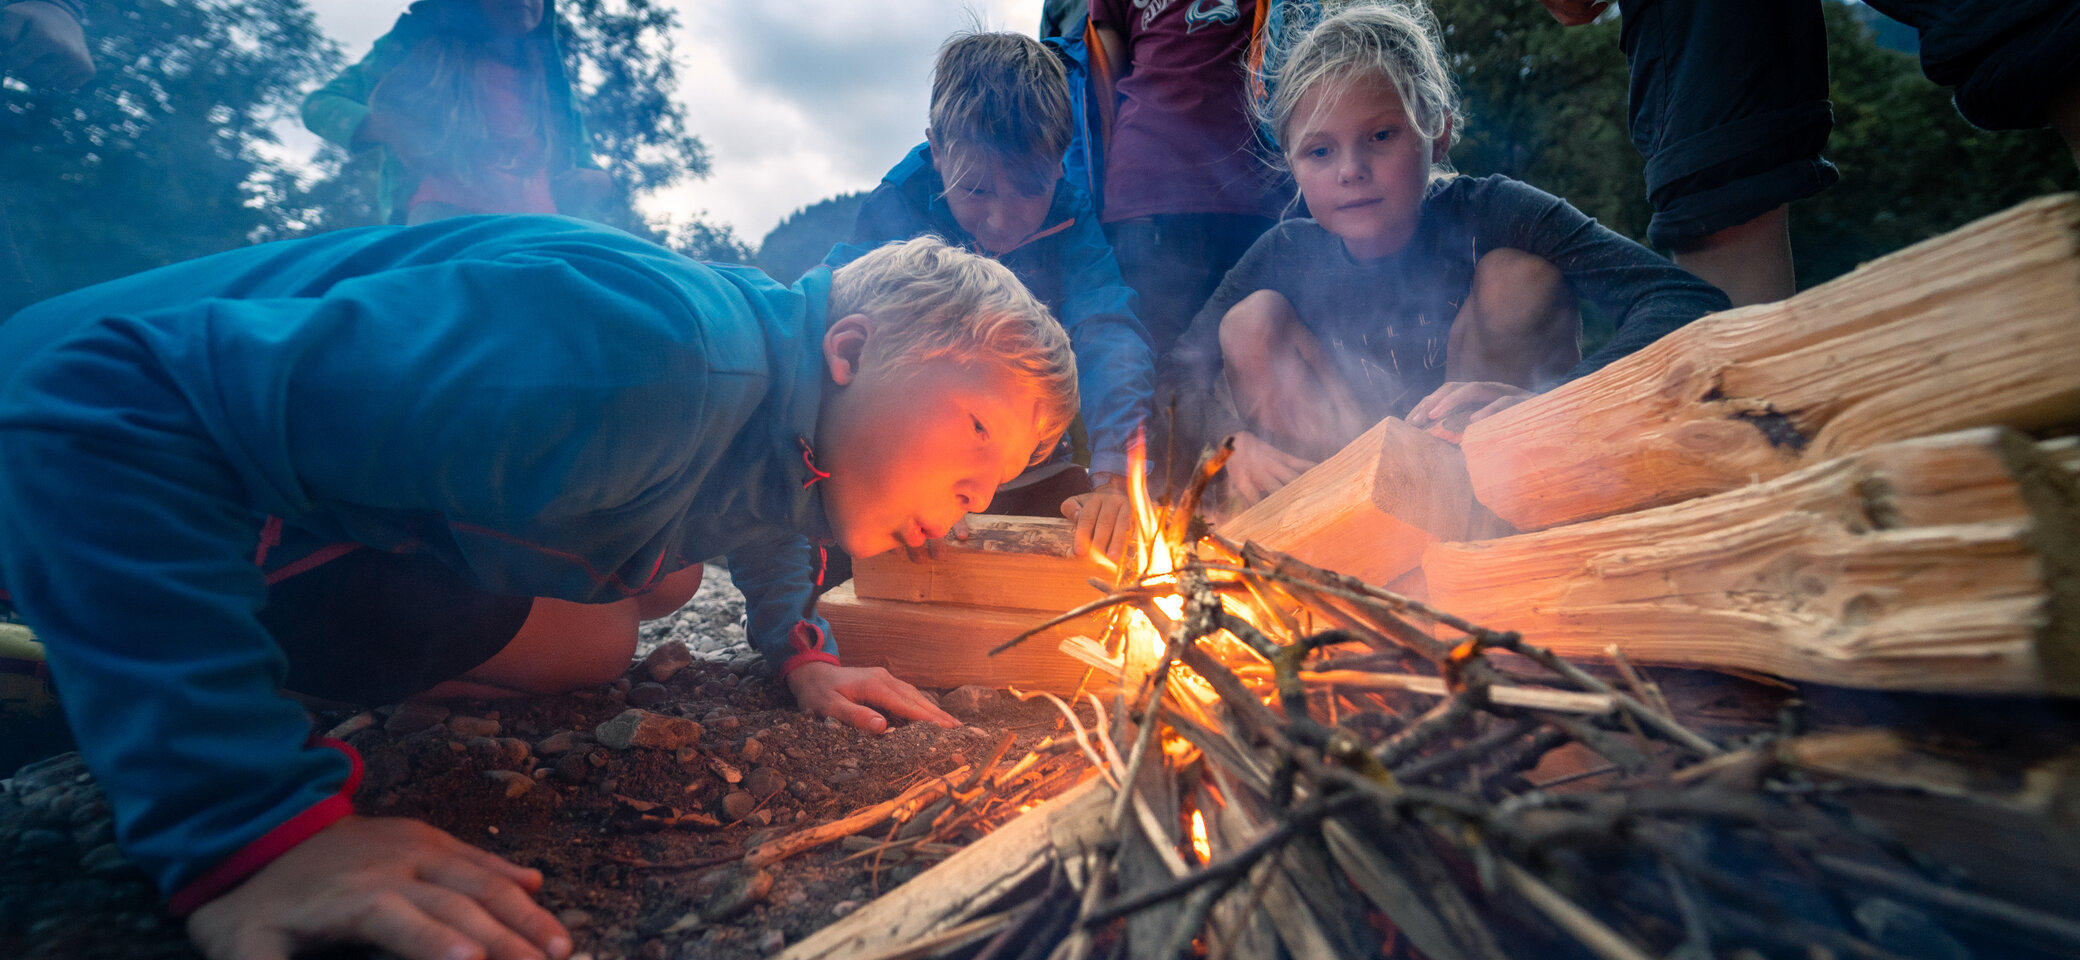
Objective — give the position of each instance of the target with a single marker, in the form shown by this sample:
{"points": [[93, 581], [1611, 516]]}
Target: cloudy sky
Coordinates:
{"points": [[797, 100]]}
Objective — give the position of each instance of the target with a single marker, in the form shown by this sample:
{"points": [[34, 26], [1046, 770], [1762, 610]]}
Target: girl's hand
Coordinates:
{"points": [[399, 884], [1257, 468], [829, 690], [1104, 518], [1447, 412]]}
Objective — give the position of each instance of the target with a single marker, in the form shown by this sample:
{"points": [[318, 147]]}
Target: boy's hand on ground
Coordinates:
{"points": [[1104, 518], [1447, 412], [830, 690], [41, 45], [1574, 13], [931, 549], [1257, 468], [399, 884]]}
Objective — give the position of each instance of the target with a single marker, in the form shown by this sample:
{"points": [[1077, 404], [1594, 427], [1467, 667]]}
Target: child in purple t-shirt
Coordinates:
{"points": [[1186, 187]]}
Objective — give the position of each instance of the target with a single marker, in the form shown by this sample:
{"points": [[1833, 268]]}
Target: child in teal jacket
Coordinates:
{"points": [[518, 430]]}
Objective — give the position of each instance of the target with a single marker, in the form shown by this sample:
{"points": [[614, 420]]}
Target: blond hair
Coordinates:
{"points": [[1001, 99], [1390, 40], [928, 299]]}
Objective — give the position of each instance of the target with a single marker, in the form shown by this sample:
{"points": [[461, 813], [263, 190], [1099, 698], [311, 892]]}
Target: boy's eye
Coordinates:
{"points": [[981, 432]]}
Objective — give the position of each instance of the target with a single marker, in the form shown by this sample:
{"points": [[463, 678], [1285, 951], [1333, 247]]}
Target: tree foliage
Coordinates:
{"points": [[169, 153], [806, 236]]}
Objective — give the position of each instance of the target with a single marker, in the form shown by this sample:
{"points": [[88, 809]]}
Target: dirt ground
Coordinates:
{"points": [[533, 781]]}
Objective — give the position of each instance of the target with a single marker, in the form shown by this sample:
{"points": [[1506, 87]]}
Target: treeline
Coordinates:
{"points": [[171, 151]]}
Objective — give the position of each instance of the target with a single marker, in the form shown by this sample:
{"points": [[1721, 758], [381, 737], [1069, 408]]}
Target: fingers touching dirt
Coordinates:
{"points": [[851, 693], [399, 884]]}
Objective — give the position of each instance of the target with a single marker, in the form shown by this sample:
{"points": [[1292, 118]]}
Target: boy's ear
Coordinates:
{"points": [[844, 345], [1443, 144]]}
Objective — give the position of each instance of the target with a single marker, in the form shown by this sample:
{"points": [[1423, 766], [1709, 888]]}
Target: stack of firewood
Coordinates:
{"points": [[1370, 699]]}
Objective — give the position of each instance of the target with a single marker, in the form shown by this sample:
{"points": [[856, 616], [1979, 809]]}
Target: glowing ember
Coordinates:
{"points": [[1200, 845]]}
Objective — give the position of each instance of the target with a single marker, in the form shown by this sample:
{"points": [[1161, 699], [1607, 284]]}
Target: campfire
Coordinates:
{"points": [[1290, 759]]}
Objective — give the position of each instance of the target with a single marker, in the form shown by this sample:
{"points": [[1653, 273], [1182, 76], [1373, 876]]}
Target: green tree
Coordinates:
{"points": [[803, 239], [1911, 167], [169, 153]]}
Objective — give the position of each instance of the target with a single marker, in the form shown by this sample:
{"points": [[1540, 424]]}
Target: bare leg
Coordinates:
{"points": [[565, 646], [1519, 324], [1282, 380], [1750, 261]]}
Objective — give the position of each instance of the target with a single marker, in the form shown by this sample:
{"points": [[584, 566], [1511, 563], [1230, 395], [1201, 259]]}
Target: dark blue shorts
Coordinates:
{"points": [[371, 627], [1729, 107], [2004, 59]]}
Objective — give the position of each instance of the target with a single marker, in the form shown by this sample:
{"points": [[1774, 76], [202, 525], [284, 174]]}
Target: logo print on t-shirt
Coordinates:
{"points": [[1203, 12]]}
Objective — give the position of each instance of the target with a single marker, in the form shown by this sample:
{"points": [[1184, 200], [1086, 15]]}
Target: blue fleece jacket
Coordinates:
{"points": [[550, 407], [1066, 265]]}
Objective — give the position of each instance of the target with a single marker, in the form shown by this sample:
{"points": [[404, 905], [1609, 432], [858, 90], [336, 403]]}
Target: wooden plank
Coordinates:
{"points": [[1024, 563], [1370, 510], [959, 888], [943, 645], [1980, 326], [1938, 564]]}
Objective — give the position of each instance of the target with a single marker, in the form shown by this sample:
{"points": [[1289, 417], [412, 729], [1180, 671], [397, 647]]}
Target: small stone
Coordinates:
{"points": [[970, 700], [466, 727], [598, 758], [760, 816], [413, 716], [740, 890], [574, 919], [641, 728], [737, 804], [669, 658], [728, 773], [541, 773], [621, 685], [842, 778], [573, 768], [849, 763], [753, 749], [844, 907], [796, 753], [514, 782], [514, 750], [729, 723], [688, 754], [764, 782], [771, 941], [646, 694], [810, 791], [557, 744], [352, 725], [104, 860]]}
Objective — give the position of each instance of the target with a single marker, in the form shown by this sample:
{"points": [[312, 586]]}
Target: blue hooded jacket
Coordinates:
{"points": [[550, 407], [1066, 265]]}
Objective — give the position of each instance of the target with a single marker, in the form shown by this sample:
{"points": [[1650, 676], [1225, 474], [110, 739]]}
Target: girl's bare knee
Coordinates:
{"points": [[1520, 294], [1255, 325]]}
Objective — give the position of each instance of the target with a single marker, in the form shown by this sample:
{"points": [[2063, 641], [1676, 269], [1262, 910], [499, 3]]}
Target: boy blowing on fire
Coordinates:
{"points": [[989, 178], [464, 458]]}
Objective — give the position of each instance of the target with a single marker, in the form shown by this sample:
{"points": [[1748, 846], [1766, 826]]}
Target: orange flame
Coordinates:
{"points": [[1200, 844]]}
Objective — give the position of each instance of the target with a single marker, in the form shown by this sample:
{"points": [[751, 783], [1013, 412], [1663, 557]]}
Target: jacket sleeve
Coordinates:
{"points": [[1645, 295], [883, 217], [779, 580], [1114, 366], [336, 110], [143, 449]]}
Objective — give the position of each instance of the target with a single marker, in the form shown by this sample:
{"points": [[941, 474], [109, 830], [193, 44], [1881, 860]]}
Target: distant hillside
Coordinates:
{"points": [[802, 240]]}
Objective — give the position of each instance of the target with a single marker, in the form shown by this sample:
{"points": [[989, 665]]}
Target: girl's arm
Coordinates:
{"points": [[1644, 294], [338, 111]]}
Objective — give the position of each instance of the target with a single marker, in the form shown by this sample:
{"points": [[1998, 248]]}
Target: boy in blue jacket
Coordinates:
{"points": [[988, 178], [488, 444]]}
